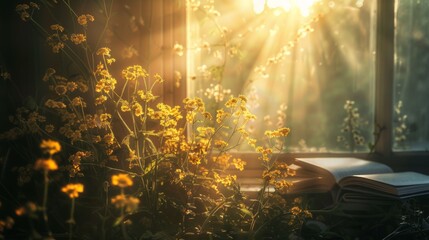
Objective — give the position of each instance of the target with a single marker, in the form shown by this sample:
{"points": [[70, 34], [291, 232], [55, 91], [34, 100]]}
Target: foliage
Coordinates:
{"points": [[352, 127], [128, 165]]}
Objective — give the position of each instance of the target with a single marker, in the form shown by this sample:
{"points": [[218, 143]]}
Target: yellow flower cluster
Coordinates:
{"points": [[122, 180], [205, 132], [104, 51], [239, 163], [131, 73], [75, 160], [125, 106], [57, 27], [173, 137], [281, 132], [138, 109], [168, 116], [227, 180], [78, 102], [49, 73], [46, 164], [122, 201], [194, 106], [265, 152], [50, 147], [29, 209], [77, 38], [129, 203], [106, 82], [73, 189], [146, 96], [56, 40], [22, 10], [100, 100], [220, 144], [54, 104], [221, 115], [223, 160], [277, 176], [83, 19]]}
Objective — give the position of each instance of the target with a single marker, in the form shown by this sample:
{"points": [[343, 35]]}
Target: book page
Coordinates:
{"points": [[339, 167], [397, 179]]}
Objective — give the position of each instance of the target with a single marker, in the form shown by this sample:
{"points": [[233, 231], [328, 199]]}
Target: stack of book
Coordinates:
{"points": [[356, 180]]}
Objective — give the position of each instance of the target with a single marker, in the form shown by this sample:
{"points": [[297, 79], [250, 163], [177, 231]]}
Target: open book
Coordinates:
{"points": [[357, 179]]}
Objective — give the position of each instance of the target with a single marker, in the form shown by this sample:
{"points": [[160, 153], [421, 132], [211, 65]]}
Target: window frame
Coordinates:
{"points": [[383, 102]]}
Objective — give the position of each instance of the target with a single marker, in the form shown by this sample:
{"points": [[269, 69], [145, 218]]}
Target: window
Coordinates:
{"points": [[321, 68], [411, 76]]}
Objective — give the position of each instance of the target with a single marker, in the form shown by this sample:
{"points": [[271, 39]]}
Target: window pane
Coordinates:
{"points": [[299, 64], [411, 115]]}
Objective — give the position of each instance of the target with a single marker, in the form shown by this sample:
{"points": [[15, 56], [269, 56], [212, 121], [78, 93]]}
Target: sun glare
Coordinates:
{"points": [[304, 6]]}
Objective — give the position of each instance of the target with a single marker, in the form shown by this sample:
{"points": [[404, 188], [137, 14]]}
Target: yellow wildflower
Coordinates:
{"points": [[21, 9], [54, 104], [125, 107], [57, 27], [131, 73], [72, 86], [232, 102], [104, 117], [46, 164], [34, 5], [122, 180], [49, 128], [72, 189], [205, 131], [78, 102], [194, 158], [109, 139], [50, 146], [158, 78], [220, 144], [49, 72], [281, 132], [77, 38], [223, 160], [110, 61], [105, 51], [29, 208], [238, 163], [138, 109], [83, 87], [100, 100], [96, 139], [129, 203], [227, 180], [221, 115], [83, 19], [146, 96]]}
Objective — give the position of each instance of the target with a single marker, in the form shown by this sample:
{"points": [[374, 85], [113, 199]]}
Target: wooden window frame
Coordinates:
{"points": [[175, 18]]}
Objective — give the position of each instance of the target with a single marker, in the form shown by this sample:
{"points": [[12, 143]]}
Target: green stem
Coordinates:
{"points": [[45, 201], [217, 208], [123, 229], [71, 221]]}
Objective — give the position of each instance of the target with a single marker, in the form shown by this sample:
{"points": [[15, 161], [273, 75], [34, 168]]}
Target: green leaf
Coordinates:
{"points": [[246, 212], [118, 221]]}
